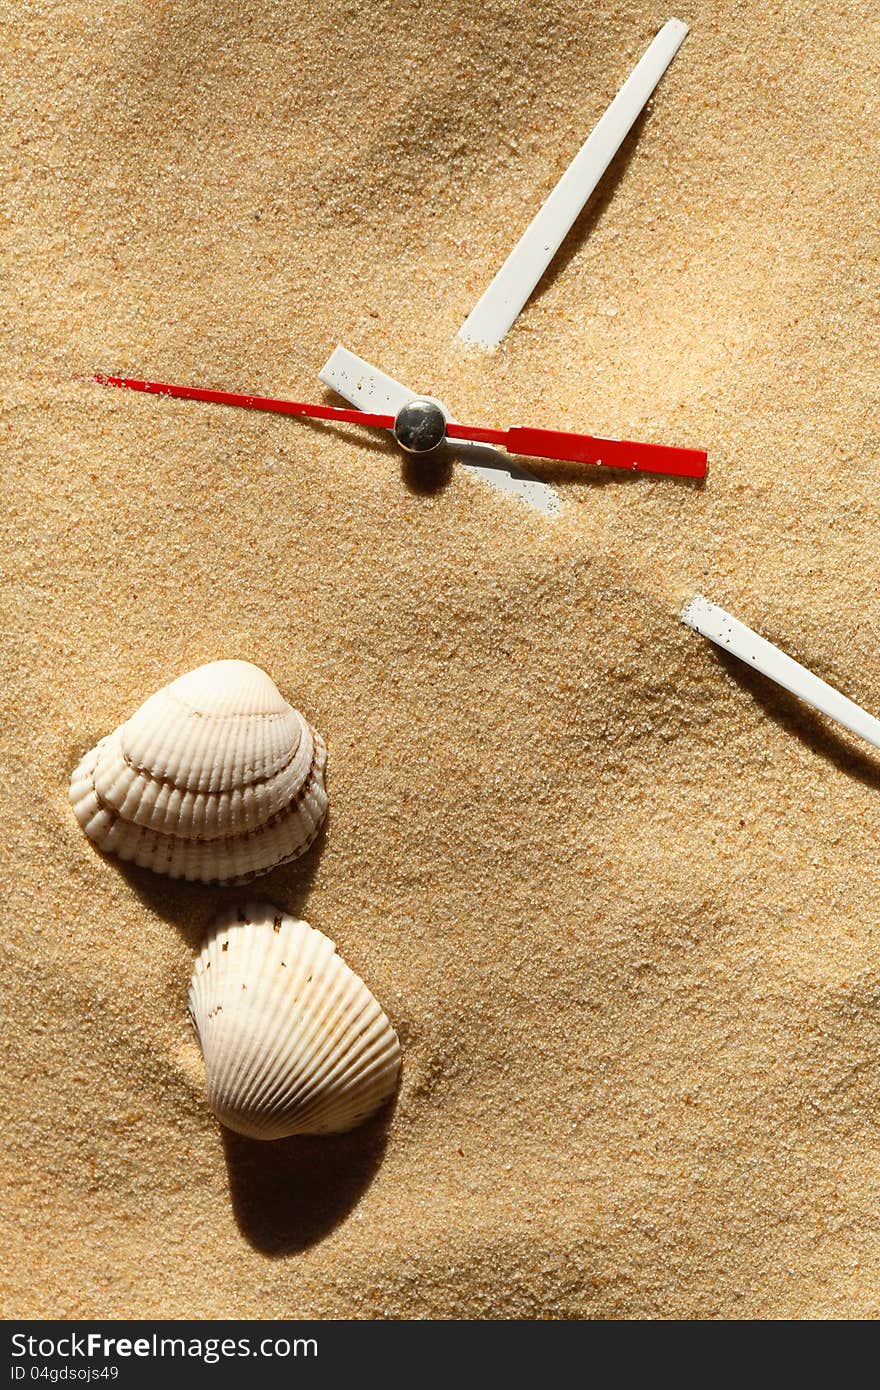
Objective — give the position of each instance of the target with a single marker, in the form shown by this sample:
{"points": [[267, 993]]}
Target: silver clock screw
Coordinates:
{"points": [[420, 426]]}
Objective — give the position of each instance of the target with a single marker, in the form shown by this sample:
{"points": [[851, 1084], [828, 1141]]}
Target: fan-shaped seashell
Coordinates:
{"points": [[216, 778], [293, 1041]]}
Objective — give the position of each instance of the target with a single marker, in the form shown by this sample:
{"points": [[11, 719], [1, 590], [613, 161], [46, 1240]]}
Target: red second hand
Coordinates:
{"points": [[201, 393], [519, 439]]}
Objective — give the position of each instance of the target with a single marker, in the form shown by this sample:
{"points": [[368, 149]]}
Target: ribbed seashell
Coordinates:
{"points": [[293, 1041], [215, 778]]}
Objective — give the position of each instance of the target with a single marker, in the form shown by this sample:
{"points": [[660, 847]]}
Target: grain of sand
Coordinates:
{"points": [[619, 899]]}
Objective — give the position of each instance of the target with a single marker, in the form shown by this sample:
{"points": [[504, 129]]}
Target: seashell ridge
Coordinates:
{"points": [[292, 1039], [214, 778]]}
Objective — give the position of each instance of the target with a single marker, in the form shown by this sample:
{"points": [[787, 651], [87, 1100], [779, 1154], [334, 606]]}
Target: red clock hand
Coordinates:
{"points": [[200, 393], [588, 448], [519, 439]]}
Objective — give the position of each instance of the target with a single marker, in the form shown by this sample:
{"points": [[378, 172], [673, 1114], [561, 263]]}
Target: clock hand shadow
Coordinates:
{"points": [[361, 435], [592, 212], [420, 475], [807, 725], [426, 476], [593, 475]]}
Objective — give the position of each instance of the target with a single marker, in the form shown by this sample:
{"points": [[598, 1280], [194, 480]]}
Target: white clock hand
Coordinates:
{"points": [[488, 322], [371, 389], [731, 635]]}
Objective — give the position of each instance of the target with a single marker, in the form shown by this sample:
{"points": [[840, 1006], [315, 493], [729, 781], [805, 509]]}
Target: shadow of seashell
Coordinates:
{"points": [[187, 906], [288, 1194], [289, 884], [190, 907]]}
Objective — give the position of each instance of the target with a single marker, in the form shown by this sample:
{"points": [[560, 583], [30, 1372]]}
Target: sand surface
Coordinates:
{"points": [[619, 898]]}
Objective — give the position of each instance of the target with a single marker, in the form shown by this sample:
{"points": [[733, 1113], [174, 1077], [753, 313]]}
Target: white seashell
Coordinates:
{"points": [[293, 1041], [216, 778]]}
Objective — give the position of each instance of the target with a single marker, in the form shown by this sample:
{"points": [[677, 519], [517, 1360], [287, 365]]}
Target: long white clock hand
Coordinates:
{"points": [[371, 389], [488, 322]]}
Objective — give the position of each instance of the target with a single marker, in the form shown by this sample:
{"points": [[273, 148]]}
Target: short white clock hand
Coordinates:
{"points": [[371, 389]]}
